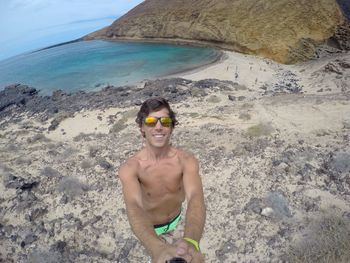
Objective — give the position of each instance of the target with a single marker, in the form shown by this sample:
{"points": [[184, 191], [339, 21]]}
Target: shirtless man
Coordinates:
{"points": [[156, 181]]}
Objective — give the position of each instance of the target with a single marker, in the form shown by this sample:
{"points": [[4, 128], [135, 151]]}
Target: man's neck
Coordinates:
{"points": [[156, 154]]}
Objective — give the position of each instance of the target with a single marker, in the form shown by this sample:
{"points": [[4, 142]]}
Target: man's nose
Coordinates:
{"points": [[158, 125]]}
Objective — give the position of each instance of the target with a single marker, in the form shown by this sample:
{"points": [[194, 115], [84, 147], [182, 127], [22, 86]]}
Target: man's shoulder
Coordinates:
{"points": [[186, 156], [131, 164], [188, 161]]}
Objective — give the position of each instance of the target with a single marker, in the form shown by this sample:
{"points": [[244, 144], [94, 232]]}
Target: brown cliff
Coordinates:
{"points": [[286, 31]]}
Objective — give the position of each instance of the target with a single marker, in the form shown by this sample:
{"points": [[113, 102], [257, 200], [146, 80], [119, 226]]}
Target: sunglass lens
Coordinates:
{"points": [[166, 121], [151, 121]]}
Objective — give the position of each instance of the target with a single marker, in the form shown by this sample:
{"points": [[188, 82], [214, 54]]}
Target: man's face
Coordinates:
{"points": [[159, 135]]}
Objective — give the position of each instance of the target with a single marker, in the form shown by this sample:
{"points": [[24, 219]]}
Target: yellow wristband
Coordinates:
{"points": [[192, 242]]}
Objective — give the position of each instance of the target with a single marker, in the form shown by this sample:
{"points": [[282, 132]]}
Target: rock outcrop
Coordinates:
{"points": [[342, 36], [286, 31]]}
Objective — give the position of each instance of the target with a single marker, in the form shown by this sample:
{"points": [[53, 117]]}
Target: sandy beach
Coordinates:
{"points": [[273, 145]]}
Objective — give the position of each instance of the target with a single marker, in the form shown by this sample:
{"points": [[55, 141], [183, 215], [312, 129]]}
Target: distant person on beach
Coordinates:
{"points": [[156, 181]]}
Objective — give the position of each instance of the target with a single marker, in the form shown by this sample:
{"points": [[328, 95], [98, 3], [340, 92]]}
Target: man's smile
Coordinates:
{"points": [[159, 135]]}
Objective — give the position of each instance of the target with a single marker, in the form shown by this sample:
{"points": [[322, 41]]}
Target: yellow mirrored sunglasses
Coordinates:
{"points": [[152, 121]]}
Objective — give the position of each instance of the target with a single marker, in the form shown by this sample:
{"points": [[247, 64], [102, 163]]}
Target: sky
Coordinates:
{"points": [[27, 25]]}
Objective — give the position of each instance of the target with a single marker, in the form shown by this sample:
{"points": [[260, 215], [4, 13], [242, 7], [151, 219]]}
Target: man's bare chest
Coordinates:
{"points": [[160, 173]]}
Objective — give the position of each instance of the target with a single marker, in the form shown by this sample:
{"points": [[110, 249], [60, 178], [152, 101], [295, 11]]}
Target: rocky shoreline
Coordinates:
{"points": [[274, 158]]}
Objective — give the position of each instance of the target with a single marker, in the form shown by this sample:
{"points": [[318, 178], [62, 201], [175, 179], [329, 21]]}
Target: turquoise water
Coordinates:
{"points": [[90, 65]]}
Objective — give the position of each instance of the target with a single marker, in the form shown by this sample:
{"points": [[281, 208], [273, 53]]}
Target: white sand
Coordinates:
{"points": [[247, 70], [253, 72]]}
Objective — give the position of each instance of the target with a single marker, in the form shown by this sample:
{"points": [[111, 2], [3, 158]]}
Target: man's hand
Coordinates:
{"points": [[166, 252], [184, 249]]}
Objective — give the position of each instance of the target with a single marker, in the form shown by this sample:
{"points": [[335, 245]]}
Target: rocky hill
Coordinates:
{"points": [[286, 31]]}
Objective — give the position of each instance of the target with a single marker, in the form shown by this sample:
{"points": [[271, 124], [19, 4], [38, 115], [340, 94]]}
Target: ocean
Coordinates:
{"points": [[92, 65]]}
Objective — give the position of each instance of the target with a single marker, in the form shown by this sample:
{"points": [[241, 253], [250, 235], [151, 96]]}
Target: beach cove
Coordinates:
{"points": [[92, 65], [272, 141]]}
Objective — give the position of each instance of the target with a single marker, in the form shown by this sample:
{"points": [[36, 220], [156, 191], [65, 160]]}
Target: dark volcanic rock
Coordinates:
{"points": [[332, 67], [255, 205], [163, 83], [341, 162], [55, 254], [211, 83], [71, 187], [232, 98], [288, 82], [129, 245], [11, 181], [37, 213], [342, 36], [279, 204], [62, 105], [227, 248], [105, 164], [30, 238], [16, 95], [58, 94]]}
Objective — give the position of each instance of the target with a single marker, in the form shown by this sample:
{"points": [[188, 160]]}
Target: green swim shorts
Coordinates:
{"points": [[167, 227]]}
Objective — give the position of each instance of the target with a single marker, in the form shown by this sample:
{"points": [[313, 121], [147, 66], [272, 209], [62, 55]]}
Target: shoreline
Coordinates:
{"points": [[177, 41], [216, 56], [219, 58]]}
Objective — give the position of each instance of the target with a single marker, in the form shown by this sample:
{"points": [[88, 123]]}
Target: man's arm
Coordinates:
{"points": [[139, 220], [195, 214]]}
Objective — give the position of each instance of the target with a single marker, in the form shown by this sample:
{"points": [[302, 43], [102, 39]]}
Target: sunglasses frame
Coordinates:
{"points": [[170, 124]]}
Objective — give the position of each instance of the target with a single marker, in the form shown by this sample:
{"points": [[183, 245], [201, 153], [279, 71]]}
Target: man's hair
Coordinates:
{"points": [[154, 104]]}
